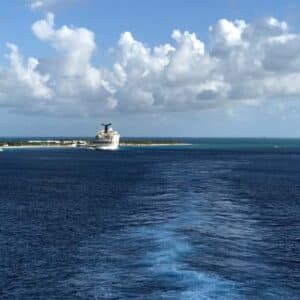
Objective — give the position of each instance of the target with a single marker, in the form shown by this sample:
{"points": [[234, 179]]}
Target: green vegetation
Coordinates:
{"points": [[69, 142], [20, 143]]}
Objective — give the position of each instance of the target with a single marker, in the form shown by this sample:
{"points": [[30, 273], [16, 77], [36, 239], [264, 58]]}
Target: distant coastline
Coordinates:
{"points": [[152, 144], [72, 143], [277, 144]]}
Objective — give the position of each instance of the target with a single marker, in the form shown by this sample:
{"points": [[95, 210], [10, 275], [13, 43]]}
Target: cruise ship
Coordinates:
{"points": [[106, 139]]}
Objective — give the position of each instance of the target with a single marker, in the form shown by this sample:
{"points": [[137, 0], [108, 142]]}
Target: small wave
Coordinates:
{"points": [[166, 262]]}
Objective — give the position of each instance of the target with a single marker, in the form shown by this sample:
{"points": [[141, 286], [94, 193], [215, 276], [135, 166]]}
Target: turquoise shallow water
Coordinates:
{"points": [[245, 143], [227, 144], [238, 143]]}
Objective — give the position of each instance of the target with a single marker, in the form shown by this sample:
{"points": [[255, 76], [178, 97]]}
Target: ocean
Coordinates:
{"points": [[216, 219]]}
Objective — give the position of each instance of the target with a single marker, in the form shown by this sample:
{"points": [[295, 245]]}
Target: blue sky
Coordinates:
{"points": [[86, 70]]}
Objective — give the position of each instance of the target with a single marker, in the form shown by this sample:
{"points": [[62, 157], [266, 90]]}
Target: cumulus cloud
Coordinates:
{"points": [[28, 74], [46, 5], [241, 63], [67, 84], [21, 82]]}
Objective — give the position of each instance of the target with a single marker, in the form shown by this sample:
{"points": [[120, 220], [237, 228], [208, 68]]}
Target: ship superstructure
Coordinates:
{"points": [[106, 139]]}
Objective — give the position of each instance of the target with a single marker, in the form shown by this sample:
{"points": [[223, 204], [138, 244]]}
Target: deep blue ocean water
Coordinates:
{"points": [[193, 222]]}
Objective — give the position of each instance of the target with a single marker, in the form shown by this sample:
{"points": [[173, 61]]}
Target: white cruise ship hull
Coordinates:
{"points": [[106, 139], [106, 147], [107, 143]]}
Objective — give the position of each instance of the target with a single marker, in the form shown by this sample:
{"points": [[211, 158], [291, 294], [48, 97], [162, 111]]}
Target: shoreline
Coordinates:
{"points": [[35, 147], [153, 144], [2, 148]]}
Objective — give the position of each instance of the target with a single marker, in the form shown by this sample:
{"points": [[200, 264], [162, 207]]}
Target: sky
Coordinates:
{"points": [[153, 68]]}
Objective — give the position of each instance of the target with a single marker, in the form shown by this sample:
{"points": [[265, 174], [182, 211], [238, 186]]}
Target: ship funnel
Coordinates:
{"points": [[106, 126]]}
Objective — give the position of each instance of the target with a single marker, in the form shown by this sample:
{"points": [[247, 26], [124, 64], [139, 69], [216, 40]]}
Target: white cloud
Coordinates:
{"points": [[227, 34], [28, 74], [166, 77], [242, 63], [74, 80], [22, 87], [46, 5], [69, 83], [74, 45]]}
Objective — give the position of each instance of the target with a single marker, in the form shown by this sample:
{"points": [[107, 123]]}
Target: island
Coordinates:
{"points": [[11, 143]]}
